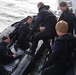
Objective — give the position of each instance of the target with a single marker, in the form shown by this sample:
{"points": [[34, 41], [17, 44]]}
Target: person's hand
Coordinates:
{"points": [[42, 29], [14, 55], [75, 35]]}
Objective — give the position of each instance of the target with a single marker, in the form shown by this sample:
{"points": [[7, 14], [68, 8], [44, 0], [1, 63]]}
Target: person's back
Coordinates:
{"points": [[61, 51], [48, 19]]}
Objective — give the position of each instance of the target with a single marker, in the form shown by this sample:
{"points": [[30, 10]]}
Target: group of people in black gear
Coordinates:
{"points": [[47, 28]]}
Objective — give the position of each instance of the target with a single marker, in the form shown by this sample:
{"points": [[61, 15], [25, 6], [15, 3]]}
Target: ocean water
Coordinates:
{"points": [[14, 10]]}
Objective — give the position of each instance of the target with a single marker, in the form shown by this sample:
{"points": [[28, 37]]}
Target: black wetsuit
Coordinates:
{"points": [[60, 56], [49, 21], [69, 17], [23, 32], [6, 56]]}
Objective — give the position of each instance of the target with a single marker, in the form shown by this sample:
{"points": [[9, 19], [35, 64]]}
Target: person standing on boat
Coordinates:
{"points": [[59, 59], [6, 56], [23, 31], [68, 16], [47, 18]]}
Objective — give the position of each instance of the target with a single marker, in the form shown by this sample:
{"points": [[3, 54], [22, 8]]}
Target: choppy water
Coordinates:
{"points": [[15, 10]]}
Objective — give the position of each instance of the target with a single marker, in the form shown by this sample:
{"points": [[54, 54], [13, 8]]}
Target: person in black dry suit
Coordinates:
{"points": [[61, 52], [68, 16], [6, 56], [48, 20], [23, 31]]}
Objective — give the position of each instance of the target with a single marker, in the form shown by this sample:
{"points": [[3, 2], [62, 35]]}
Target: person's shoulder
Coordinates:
{"points": [[58, 42], [1, 45], [44, 11], [24, 24], [41, 12], [71, 14], [66, 13], [58, 45]]}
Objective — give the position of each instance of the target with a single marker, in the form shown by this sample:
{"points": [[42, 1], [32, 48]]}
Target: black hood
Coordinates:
{"points": [[65, 37], [47, 7]]}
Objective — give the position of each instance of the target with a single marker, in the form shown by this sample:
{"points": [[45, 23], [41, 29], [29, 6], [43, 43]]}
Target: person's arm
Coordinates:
{"points": [[37, 23], [61, 17], [53, 57], [6, 53], [73, 21]]}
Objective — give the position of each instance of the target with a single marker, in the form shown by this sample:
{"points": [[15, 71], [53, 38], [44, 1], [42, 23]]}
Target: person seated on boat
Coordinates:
{"points": [[68, 16], [47, 18], [23, 32], [61, 51], [6, 56], [18, 25]]}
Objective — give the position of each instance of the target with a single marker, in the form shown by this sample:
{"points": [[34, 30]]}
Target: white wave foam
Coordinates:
{"points": [[14, 10]]}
